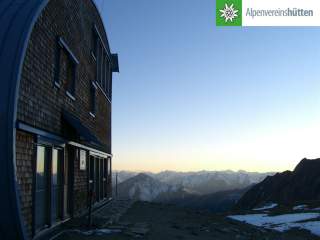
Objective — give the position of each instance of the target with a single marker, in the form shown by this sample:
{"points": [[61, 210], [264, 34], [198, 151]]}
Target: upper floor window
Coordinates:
{"points": [[105, 74], [108, 87], [66, 66], [92, 99], [99, 65], [94, 44], [70, 76], [103, 67], [103, 64], [110, 83]]}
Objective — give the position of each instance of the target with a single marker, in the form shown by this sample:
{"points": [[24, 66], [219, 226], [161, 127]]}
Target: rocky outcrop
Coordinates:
{"points": [[302, 184]]}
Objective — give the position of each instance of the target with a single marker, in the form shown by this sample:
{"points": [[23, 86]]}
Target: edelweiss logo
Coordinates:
{"points": [[229, 13]]}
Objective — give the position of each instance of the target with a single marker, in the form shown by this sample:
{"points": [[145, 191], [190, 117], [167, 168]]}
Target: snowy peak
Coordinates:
{"points": [[141, 177], [143, 187]]}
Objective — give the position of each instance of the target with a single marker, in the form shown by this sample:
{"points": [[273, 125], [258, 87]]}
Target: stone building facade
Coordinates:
{"points": [[63, 116]]}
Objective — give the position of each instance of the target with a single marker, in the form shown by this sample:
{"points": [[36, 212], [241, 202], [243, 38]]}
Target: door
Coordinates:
{"points": [[42, 189], [57, 186], [66, 187], [97, 179], [101, 179], [109, 179], [69, 181], [91, 179], [50, 200], [105, 176]]}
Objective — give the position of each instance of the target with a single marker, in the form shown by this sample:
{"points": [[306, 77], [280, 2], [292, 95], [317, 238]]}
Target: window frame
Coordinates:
{"points": [[73, 63], [103, 66], [92, 100], [94, 45]]}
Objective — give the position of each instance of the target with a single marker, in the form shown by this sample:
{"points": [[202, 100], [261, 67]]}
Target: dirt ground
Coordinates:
{"points": [[165, 222]]}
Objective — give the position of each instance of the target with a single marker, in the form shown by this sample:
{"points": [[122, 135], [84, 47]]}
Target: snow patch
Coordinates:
{"points": [[282, 222], [100, 232], [269, 206], [312, 226], [300, 207]]}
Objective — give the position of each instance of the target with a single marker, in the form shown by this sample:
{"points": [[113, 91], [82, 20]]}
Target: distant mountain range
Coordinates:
{"points": [[145, 188], [203, 182], [215, 191], [302, 184]]}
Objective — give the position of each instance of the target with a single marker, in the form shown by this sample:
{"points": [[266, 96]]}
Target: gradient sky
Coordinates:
{"points": [[191, 96]]}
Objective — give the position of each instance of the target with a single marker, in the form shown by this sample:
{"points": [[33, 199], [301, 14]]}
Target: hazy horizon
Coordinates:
{"points": [[177, 171], [191, 96]]}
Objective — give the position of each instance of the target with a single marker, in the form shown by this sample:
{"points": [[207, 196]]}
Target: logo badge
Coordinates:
{"points": [[229, 13]]}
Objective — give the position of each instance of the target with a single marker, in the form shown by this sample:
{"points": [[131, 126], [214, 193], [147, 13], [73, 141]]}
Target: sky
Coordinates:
{"points": [[191, 96]]}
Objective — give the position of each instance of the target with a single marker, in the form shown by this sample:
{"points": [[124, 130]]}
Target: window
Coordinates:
{"points": [[94, 47], [103, 65], [98, 63], [57, 67], [103, 60], [103, 85], [107, 77], [109, 86], [105, 73], [70, 76], [66, 65], [41, 192], [93, 89]]}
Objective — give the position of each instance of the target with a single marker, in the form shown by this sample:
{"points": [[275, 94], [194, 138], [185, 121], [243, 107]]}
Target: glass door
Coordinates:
{"points": [[42, 189], [101, 179], [109, 187], [66, 187], [97, 179], [49, 187], [57, 185], [105, 176], [91, 179], [99, 171]]}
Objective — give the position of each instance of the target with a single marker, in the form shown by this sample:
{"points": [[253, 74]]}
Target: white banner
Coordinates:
{"points": [[280, 12]]}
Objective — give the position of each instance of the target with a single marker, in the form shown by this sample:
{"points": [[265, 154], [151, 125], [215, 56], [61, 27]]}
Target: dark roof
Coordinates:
{"points": [[17, 18]]}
